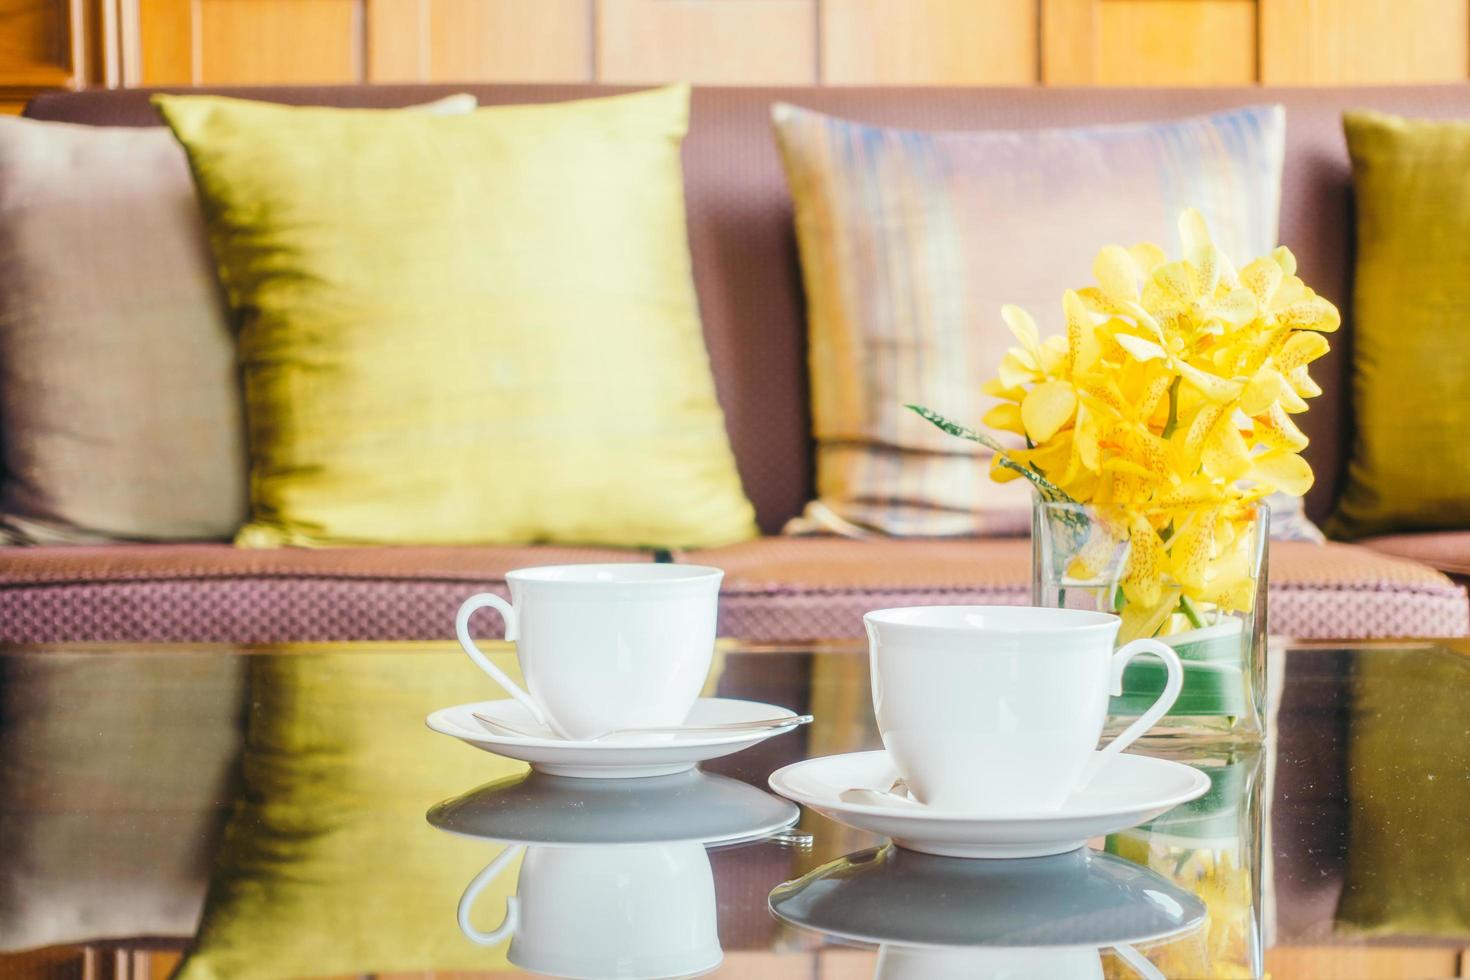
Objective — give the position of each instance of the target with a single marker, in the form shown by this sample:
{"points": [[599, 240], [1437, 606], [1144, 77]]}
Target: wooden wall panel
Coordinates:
{"points": [[1175, 42], [719, 42], [38, 43], [479, 40], [510, 40], [939, 42], [1068, 42], [1327, 42], [396, 38], [168, 42], [279, 42]]}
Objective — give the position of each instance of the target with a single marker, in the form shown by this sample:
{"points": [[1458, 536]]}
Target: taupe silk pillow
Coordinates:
{"points": [[120, 410], [121, 416]]}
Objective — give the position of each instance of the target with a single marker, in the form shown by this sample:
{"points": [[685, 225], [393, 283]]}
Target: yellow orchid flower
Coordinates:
{"points": [[1167, 402]]}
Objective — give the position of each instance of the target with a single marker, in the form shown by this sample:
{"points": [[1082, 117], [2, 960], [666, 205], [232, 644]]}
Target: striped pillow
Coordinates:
{"points": [[912, 241]]}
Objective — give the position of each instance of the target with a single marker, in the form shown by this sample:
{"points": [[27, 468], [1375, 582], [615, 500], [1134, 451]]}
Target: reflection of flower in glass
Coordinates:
{"points": [[1222, 949], [1167, 405]]}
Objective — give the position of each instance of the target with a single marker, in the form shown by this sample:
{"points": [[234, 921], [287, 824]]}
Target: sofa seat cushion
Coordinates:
{"points": [[218, 593], [782, 589], [776, 589], [1448, 551]]}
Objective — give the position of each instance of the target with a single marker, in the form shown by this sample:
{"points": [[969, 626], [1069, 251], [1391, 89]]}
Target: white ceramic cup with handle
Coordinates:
{"points": [[633, 911], [997, 710], [604, 646]]}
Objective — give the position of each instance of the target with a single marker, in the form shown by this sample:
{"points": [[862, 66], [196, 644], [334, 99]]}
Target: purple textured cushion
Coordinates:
{"points": [[776, 589], [779, 589]]}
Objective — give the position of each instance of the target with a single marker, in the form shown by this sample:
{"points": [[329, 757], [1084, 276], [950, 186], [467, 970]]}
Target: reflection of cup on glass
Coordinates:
{"points": [[990, 963], [625, 910], [1006, 963]]}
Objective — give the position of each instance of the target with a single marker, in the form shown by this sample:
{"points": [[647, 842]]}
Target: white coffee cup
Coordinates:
{"points": [[998, 709], [604, 646], [988, 962], [1005, 963], [622, 910]]}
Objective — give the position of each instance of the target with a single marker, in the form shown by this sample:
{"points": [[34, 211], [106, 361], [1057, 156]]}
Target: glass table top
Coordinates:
{"points": [[285, 812]]}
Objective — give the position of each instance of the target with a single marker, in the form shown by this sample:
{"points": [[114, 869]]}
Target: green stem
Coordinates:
{"points": [[1186, 606], [1173, 422]]}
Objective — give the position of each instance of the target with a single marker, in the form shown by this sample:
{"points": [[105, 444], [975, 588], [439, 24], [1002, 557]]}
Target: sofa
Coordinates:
{"points": [[776, 588]]}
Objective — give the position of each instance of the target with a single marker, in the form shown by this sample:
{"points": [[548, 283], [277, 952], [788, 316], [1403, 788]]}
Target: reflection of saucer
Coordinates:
{"points": [[1084, 898], [534, 808]]}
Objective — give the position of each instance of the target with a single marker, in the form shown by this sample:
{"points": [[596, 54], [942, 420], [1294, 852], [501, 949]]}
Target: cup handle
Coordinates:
{"points": [[473, 605], [1157, 710], [1139, 963], [472, 891]]}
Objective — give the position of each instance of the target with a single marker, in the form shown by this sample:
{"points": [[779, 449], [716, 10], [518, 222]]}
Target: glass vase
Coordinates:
{"points": [[1193, 577]]}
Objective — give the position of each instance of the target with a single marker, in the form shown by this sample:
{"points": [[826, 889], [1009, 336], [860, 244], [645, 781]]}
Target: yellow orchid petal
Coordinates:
{"points": [[1263, 391], [1097, 555], [1151, 398], [1014, 373], [1170, 284], [1214, 388], [1282, 256], [1276, 430], [1301, 349], [1116, 274], [1143, 573], [1047, 408], [1098, 302], [1085, 440], [1292, 290], [1194, 230], [1191, 550], [1147, 257], [1292, 402], [1211, 267], [1283, 471], [1024, 327], [1302, 383], [995, 389], [1142, 350], [1312, 313], [1127, 467], [1225, 455], [1054, 355], [1083, 346], [1104, 395], [1237, 308], [1140, 621], [1262, 277], [1006, 417], [1000, 473]]}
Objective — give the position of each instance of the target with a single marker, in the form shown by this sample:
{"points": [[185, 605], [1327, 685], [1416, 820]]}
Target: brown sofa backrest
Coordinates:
{"points": [[744, 252]]}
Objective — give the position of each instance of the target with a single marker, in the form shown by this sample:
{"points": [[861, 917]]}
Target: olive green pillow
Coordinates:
{"points": [[328, 866], [1410, 467], [1408, 869]]}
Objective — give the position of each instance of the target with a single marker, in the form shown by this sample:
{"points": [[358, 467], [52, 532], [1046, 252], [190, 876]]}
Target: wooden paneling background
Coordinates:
{"points": [[70, 43]]}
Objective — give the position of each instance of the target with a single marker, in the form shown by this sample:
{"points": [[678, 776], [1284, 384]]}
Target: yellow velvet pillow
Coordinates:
{"points": [[1410, 467], [466, 329], [328, 866]]}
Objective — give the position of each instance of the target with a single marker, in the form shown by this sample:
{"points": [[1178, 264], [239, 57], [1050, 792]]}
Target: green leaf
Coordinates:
{"points": [[1048, 490]]}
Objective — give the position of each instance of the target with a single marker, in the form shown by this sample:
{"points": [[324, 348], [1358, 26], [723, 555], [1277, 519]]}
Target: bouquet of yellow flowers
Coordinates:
{"points": [[1167, 408]]}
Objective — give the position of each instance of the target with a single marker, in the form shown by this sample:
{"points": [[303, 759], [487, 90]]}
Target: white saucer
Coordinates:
{"points": [[1130, 790], [623, 757]]}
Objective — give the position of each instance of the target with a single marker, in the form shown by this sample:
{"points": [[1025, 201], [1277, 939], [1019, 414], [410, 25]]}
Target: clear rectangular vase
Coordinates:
{"points": [[1194, 578]]}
